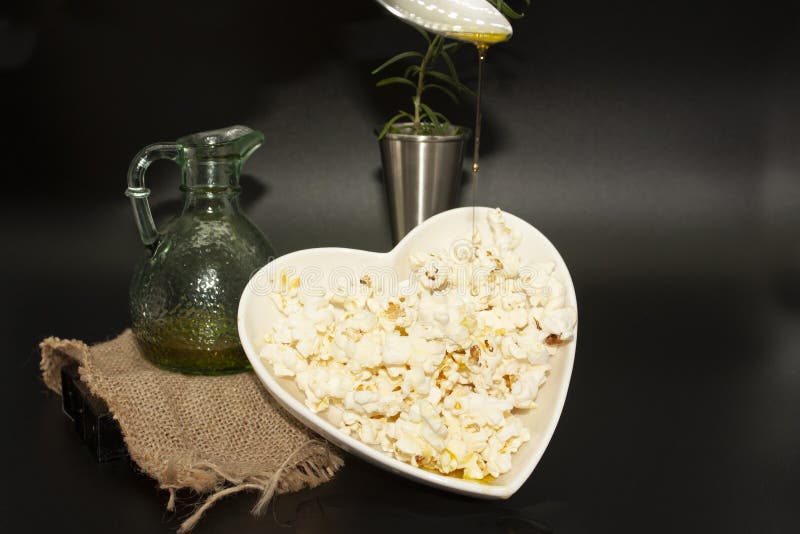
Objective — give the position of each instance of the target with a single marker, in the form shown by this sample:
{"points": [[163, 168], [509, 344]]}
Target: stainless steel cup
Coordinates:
{"points": [[422, 174]]}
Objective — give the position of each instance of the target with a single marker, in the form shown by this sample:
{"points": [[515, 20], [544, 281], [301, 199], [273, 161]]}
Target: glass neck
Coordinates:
{"points": [[211, 177], [211, 186]]}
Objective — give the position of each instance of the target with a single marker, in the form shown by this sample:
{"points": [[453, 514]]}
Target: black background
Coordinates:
{"points": [[656, 143]]}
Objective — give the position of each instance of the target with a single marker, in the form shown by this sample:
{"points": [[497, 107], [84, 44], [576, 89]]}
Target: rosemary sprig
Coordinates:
{"points": [[423, 76], [433, 70]]}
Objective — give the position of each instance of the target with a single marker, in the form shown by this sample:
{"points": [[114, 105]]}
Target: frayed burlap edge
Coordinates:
{"points": [[311, 464]]}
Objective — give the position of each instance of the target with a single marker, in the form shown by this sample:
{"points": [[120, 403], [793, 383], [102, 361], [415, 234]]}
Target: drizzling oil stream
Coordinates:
{"points": [[481, 42], [482, 47]]}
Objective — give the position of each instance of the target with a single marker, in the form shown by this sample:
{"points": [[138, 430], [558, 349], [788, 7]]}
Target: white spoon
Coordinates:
{"points": [[475, 21]]}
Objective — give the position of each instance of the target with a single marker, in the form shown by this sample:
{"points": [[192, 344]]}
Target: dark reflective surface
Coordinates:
{"points": [[655, 144]]}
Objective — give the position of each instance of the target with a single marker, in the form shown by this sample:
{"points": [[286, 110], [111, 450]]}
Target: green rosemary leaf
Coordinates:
{"points": [[395, 79], [410, 71], [438, 44], [444, 128], [395, 59], [442, 76], [430, 114], [450, 66], [424, 34], [390, 123], [446, 78], [443, 89], [506, 10], [444, 122]]}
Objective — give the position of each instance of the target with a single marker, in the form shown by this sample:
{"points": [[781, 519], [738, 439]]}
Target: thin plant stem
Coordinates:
{"points": [[421, 79]]}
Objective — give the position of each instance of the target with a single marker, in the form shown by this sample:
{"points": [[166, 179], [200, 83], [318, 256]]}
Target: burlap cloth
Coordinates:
{"points": [[215, 435]]}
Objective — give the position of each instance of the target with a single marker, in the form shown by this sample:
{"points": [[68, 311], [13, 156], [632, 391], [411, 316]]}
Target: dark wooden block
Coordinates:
{"points": [[93, 422]]}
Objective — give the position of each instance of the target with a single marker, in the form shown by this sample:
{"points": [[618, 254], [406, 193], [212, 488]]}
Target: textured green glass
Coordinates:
{"points": [[185, 293]]}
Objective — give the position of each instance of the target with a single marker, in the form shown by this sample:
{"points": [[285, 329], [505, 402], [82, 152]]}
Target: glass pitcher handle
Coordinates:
{"points": [[137, 191]]}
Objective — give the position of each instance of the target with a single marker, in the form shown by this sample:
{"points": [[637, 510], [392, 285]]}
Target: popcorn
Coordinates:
{"points": [[435, 373], [396, 349], [285, 360]]}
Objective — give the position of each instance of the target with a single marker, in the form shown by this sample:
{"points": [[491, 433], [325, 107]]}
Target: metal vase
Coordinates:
{"points": [[422, 175]]}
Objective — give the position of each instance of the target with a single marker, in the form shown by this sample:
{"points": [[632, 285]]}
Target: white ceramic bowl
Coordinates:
{"points": [[257, 312]]}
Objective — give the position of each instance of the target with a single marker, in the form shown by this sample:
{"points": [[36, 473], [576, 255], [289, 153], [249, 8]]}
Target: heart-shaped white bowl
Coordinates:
{"points": [[321, 266]]}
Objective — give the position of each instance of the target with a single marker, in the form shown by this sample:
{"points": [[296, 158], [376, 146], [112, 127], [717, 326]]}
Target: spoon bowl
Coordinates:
{"points": [[465, 20]]}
